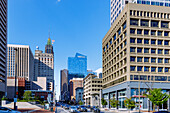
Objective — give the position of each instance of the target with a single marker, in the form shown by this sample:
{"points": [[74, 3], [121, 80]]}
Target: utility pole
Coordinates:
{"points": [[15, 107]]}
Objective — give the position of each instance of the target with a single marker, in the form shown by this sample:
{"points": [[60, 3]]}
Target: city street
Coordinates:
{"points": [[62, 110]]}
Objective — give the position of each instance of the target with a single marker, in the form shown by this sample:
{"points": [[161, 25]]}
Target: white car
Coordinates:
{"points": [[73, 109], [7, 110]]}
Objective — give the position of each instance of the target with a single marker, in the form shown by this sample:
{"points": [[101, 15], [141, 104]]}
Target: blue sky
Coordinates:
{"points": [[75, 25]]}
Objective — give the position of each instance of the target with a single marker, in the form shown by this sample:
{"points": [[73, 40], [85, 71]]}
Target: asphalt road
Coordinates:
{"points": [[62, 110]]}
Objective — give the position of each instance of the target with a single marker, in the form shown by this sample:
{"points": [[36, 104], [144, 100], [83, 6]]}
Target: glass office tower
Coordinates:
{"points": [[116, 6], [77, 64]]}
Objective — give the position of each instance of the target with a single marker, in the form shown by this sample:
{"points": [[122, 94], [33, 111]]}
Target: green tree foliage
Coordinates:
{"points": [[27, 95], [80, 103], [104, 102], [157, 97], [114, 103], [129, 103]]}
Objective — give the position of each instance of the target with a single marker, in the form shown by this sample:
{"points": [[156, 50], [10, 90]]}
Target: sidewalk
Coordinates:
{"points": [[121, 111]]}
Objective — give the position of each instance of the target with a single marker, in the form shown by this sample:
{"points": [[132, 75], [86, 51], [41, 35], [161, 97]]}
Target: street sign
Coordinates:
{"points": [[15, 99]]}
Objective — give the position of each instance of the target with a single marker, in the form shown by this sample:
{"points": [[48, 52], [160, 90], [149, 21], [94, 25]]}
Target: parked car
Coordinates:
{"points": [[73, 109], [7, 110], [88, 108], [82, 109], [66, 106], [95, 109]]}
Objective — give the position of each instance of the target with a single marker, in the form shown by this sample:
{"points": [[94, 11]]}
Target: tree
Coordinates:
{"points": [[129, 103], [104, 102], [27, 95], [157, 97], [80, 103], [114, 103]]}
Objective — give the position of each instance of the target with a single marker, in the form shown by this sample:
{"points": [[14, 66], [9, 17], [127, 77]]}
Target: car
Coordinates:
{"points": [[82, 109], [7, 110], [95, 109], [66, 106], [73, 109], [88, 108]]}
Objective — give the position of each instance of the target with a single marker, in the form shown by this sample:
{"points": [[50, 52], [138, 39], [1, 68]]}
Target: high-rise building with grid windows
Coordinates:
{"points": [[116, 6], [136, 52], [3, 46]]}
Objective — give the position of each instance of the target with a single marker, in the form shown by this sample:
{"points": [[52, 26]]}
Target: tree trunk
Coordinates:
{"points": [[158, 108], [153, 107], [129, 111]]}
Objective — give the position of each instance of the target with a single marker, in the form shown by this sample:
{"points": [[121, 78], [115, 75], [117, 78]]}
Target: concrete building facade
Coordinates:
{"points": [[75, 83], [92, 87], [136, 53], [79, 94], [20, 63], [3, 47], [44, 63], [116, 6]]}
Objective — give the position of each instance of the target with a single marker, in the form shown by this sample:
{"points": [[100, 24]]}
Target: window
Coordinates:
{"points": [[132, 40], [131, 77], [132, 68], [110, 41], [166, 51], [139, 31], [160, 69], [132, 31], [146, 41], [153, 33], [139, 50], [119, 31], [136, 77], [124, 25], [166, 60], [166, 42], [153, 60], [153, 69], [164, 24], [107, 45], [153, 51], [159, 33], [159, 42], [160, 60], [139, 40], [160, 78], [134, 22], [159, 51], [132, 59], [139, 68], [146, 59], [114, 37], [146, 50], [146, 32], [144, 23], [146, 69], [154, 23], [132, 49], [166, 33], [153, 41], [166, 69], [139, 59]]}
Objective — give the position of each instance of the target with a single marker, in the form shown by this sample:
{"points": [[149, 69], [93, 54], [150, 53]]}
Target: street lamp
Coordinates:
{"points": [[15, 97]]}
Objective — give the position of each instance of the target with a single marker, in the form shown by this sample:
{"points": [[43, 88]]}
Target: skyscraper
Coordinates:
{"points": [[44, 63], [77, 64], [116, 6], [3, 46], [136, 54], [64, 84], [23, 69]]}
